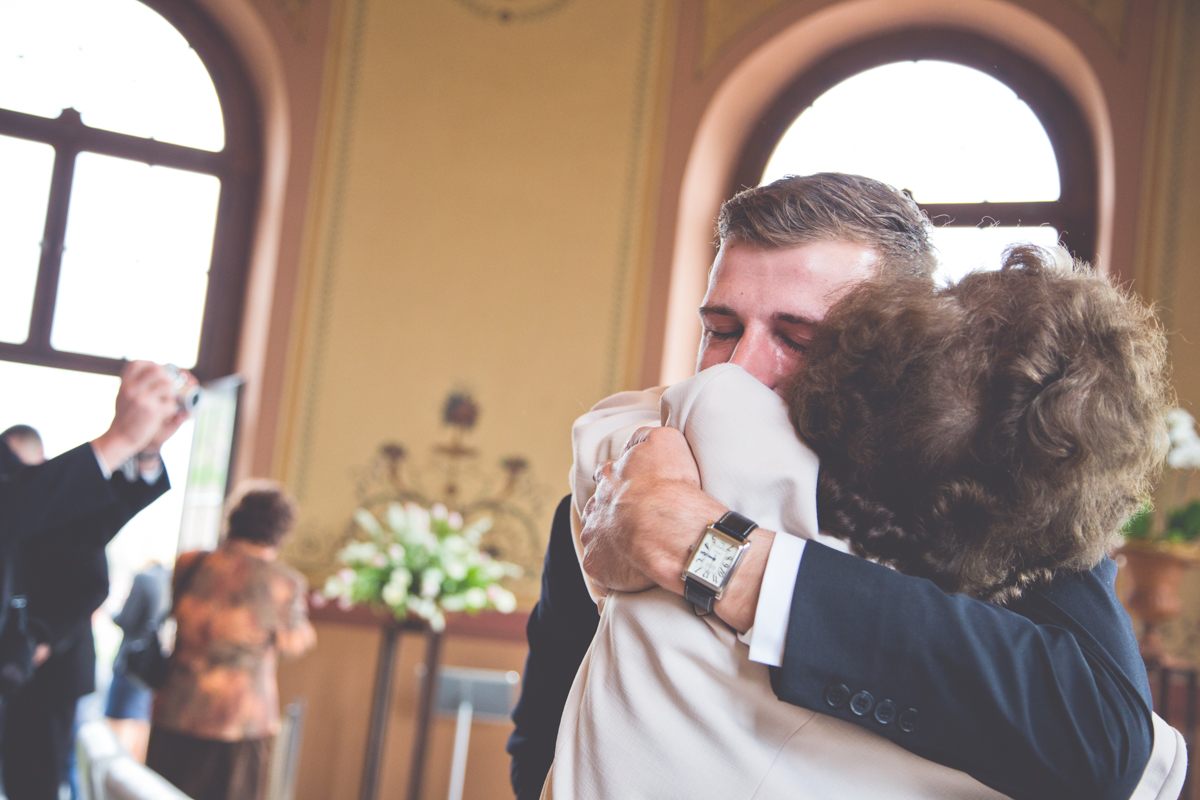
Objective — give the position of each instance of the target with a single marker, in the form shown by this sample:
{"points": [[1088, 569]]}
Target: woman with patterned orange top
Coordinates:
{"points": [[237, 609]]}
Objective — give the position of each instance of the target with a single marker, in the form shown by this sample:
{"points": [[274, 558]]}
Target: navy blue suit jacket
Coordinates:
{"points": [[1047, 698]]}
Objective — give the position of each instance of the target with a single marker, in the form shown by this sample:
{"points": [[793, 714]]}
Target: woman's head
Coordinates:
{"points": [[261, 512], [990, 432]]}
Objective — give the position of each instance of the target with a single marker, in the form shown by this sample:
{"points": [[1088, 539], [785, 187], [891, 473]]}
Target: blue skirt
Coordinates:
{"points": [[126, 699]]}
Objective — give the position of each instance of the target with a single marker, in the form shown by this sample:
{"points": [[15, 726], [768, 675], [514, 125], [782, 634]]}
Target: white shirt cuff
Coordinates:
{"points": [[104, 470], [151, 476], [774, 610]]}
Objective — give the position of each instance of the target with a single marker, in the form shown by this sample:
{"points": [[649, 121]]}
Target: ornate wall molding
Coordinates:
{"points": [[1110, 15], [505, 11]]}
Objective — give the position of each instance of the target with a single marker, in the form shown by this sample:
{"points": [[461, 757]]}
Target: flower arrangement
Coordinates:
{"points": [[1182, 519], [422, 562]]}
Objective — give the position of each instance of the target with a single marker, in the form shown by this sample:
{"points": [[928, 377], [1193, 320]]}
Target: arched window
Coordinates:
{"points": [[984, 141], [129, 175]]}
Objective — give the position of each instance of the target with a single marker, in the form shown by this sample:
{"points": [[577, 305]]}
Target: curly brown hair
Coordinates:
{"points": [[262, 512], [990, 433]]}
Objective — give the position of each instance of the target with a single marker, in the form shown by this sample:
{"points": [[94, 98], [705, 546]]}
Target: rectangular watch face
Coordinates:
{"points": [[714, 558]]}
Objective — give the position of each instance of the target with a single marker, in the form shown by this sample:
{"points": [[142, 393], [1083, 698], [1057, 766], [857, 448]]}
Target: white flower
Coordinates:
{"points": [[504, 600], [431, 582], [454, 520], [456, 568], [437, 622], [395, 592], [366, 520], [1185, 456], [438, 511], [346, 576], [397, 520], [456, 544], [476, 598], [425, 608], [358, 553], [396, 553], [1185, 442], [1180, 421], [418, 518], [380, 560], [454, 602], [334, 587]]}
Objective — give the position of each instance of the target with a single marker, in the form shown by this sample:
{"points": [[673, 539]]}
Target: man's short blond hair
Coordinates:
{"points": [[832, 206]]}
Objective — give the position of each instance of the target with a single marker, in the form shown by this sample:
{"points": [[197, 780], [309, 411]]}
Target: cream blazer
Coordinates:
{"points": [[683, 712]]}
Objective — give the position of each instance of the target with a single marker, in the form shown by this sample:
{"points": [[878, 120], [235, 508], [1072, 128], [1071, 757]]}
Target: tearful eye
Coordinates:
{"points": [[724, 335]]}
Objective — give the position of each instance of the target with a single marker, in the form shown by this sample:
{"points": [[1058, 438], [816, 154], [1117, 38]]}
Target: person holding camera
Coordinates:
{"points": [[56, 517]]}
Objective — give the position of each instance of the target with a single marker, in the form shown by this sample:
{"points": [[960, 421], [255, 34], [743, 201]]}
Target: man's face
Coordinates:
{"points": [[28, 451], [762, 305]]}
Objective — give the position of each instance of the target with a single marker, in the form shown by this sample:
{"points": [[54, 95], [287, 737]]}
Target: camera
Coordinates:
{"points": [[188, 396]]}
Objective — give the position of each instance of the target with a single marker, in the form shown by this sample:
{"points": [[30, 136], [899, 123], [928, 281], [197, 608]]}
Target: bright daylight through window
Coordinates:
{"points": [[946, 133], [114, 252]]}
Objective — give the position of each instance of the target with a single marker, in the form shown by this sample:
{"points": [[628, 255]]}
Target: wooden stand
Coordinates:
{"points": [[490, 625]]}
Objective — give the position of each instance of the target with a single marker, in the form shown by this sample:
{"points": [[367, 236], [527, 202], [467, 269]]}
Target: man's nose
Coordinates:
{"points": [[756, 353]]}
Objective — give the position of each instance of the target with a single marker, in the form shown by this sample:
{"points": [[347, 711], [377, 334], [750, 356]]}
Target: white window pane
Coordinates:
{"points": [[117, 62], [135, 264], [945, 132], [25, 169], [962, 250]]}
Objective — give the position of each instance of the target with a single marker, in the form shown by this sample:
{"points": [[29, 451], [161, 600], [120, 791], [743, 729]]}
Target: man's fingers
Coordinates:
{"points": [[639, 436], [603, 471]]}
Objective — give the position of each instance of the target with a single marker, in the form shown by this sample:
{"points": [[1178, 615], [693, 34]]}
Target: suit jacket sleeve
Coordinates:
{"points": [[63, 490], [1025, 700], [65, 570], [560, 630]]}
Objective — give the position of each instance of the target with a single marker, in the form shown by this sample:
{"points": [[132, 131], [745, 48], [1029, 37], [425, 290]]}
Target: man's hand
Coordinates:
{"points": [[647, 511], [647, 514], [147, 407], [40, 654]]}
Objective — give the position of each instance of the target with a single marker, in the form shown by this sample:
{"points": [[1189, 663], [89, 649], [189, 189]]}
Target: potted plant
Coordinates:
{"points": [[1159, 549], [420, 562]]}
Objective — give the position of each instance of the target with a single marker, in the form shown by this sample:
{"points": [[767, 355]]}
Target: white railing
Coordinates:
{"points": [[107, 772]]}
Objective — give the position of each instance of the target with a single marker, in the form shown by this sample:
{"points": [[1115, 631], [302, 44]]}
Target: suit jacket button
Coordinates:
{"points": [[885, 712], [861, 703], [837, 695], [908, 721]]}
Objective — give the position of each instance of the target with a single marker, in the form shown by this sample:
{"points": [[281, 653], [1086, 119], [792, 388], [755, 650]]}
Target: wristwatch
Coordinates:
{"points": [[713, 559]]}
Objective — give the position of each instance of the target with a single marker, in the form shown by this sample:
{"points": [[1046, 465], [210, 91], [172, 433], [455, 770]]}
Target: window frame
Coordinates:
{"points": [[238, 166], [1074, 214]]}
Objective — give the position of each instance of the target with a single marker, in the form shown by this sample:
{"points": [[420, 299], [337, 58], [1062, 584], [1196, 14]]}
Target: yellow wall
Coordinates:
{"points": [[479, 224], [479, 227]]}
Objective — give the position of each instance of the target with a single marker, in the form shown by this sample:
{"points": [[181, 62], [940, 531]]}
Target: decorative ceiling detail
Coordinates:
{"points": [[1110, 15], [505, 11], [723, 20]]}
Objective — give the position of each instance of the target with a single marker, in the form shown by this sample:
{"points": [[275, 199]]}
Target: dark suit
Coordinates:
{"points": [[63, 571], [1045, 699]]}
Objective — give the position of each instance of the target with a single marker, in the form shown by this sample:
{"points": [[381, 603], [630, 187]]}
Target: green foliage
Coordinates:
{"points": [[1183, 524], [1140, 524]]}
